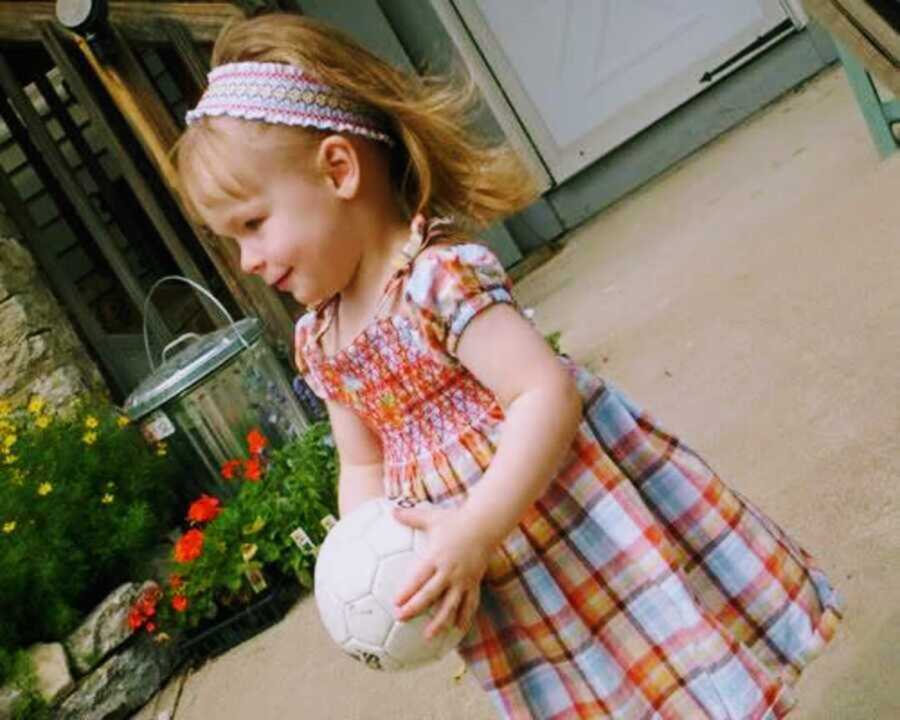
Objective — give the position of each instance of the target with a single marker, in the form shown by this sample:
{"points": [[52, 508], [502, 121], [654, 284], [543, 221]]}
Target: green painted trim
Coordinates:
{"points": [[690, 127], [891, 111], [869, 102]]}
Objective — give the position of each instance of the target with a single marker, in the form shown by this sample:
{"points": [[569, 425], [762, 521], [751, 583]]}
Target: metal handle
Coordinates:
{"points": [[196, 286], [176, 342]]}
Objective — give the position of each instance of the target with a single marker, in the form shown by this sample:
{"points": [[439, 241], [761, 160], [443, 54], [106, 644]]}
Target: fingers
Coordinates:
{"points": [[421, 574], [423, 598], [449, 604], [417, 518], [467, 608]]}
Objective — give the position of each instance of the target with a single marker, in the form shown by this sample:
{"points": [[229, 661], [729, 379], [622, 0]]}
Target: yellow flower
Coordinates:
{"points": [[8, 527], [122, 421], [10, 459], [89, 437], [43, 421], [18, 477], [36, 405], [162, 449], [9, 441], [90, 422], [5, 407], [107, 499], [45, 488]]}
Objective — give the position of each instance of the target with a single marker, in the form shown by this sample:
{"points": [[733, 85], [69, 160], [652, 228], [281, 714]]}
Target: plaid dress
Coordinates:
{"points": [[639, 585]]}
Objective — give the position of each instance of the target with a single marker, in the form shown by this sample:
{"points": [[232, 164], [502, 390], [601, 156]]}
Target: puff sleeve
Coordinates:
{"points": [[449, 285]]}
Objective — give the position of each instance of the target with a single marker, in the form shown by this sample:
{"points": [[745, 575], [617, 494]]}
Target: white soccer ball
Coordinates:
{"points": [[365, 560]]}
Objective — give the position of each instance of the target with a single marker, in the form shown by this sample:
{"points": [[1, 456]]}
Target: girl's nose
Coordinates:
{"points": [[251, 263]]}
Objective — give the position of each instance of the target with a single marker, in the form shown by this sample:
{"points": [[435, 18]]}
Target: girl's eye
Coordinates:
{"points": [[253, 224]]}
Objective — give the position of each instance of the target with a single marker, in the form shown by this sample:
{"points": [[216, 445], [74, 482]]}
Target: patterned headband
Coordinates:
{"points": [[284, 95]]}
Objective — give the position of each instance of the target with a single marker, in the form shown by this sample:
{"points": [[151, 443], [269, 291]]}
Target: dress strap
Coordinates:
{"points": [[422, 232]]}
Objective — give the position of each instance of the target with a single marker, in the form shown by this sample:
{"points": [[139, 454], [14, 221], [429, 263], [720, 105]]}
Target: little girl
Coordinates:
{"points": [[602, 567]]}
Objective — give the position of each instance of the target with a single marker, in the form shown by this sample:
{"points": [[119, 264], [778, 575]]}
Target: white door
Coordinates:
{"points": [[583, 76]]}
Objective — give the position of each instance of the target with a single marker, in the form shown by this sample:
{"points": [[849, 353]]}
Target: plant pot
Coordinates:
{"points": [[266, 610]]}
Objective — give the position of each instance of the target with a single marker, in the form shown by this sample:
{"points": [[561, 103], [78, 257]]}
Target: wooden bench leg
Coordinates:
{"points": [[878, 115]]}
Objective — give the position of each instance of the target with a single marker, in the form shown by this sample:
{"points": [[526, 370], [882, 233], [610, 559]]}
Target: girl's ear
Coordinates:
{"points": [[339, 164]]}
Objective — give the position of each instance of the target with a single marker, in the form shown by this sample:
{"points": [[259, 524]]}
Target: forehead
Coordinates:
{"points": [[224, 162]]}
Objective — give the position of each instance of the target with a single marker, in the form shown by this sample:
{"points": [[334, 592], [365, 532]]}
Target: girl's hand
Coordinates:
{"points": [[451, 569]]}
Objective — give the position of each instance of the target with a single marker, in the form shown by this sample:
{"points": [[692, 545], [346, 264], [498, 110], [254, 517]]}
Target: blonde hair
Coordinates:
{"points": [[440, 166]]}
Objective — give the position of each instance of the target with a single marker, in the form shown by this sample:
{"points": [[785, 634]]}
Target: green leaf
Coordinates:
{"points": [[253, 528], [305, 578]]}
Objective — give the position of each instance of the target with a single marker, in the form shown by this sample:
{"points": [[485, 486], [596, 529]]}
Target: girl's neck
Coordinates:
{"points": [[359, 302], [381, 247]]}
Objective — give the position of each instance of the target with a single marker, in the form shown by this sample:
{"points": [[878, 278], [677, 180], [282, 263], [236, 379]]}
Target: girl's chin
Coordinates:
{"points": [[307, 299]]}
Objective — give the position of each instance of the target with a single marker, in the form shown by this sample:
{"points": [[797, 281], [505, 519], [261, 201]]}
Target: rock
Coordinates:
{"points": [[17, 269], [162, 706], [27, 313], [40, 353], [122, 684], [8, 695], [54, 681], [60, 386], [105, 628]]}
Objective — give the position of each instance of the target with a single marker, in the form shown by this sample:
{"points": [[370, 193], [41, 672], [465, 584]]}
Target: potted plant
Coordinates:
{"points": [[239, 566]]}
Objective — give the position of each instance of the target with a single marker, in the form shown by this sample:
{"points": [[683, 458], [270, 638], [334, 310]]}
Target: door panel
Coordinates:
{"points": [[586, 75]]}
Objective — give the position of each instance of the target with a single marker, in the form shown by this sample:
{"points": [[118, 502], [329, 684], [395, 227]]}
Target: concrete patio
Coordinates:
{"points": [[750, 298]]}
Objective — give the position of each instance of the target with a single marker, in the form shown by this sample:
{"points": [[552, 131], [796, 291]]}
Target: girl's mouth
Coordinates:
{"points": [[280, 283]]}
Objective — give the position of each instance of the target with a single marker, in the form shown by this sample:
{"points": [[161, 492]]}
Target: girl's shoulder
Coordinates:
{"points": [[449, 284], [452, 268]]}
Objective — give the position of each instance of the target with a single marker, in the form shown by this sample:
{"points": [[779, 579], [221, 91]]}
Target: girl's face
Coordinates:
{"points": [[291, 217]]}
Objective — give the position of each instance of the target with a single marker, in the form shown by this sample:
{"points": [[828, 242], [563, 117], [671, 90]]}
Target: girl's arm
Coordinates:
{"points": [[543, 410], [361, 474]]}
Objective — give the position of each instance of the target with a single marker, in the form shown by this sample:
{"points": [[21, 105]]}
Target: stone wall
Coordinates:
{"points": [[40, 353], [103, 670]]}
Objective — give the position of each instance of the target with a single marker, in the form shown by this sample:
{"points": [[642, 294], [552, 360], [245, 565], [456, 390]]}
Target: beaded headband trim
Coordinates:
{"points": [[282, 94]]}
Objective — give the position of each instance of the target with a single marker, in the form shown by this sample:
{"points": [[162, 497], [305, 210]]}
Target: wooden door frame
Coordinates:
{"points": [[183, 25]]}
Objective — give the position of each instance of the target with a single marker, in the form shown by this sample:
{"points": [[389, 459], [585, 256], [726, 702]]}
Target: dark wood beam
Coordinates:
{"points": [[63, 174], [185, 47], [137, 20], [140, 186], [134, 95]]}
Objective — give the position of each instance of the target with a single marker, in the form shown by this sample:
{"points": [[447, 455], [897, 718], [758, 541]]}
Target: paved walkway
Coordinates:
{"points": [[751, 299]]}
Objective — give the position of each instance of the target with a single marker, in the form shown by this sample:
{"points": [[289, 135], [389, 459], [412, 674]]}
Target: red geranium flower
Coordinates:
{"points": [[146, 604], [204, 509], [256, 441], [144, 608], [151, 627], [135, 619], [147, 608], [175, 581], [252, 469], [189, 546], [179, 603], [230, 468]]}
